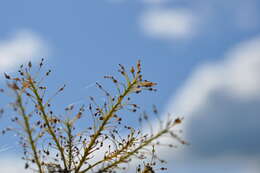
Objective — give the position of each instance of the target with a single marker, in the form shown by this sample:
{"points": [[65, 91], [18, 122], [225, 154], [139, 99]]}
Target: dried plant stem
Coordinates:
{"points": [[104, 122], [47, 122], [56, 144], [70, 144], [129, 154], [114, 155], [28, 131]]}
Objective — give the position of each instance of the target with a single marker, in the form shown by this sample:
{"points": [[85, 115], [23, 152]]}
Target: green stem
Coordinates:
{"points": [[29, 132], [45, 118], [69, 133], [117, 153], [104, 122], [129, 154]]}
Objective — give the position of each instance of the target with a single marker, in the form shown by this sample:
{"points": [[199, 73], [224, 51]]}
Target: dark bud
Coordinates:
{"points": [[7, 76], [30, 64]]}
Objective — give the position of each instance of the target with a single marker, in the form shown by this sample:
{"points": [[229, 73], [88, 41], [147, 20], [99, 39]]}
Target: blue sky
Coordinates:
{"points": [[204, 55]]}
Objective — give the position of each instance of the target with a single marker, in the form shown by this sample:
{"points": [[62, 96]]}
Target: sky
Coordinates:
{"points": [[204, 55]]}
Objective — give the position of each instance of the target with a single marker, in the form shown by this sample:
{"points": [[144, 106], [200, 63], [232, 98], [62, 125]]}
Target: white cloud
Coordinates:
{"points": [[237, 74], [163, 23], [12, 165], [21, 47], [186, 19], [220, 103]]}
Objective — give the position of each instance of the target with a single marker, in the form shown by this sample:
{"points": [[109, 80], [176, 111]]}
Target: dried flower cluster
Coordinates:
{"points": [[53, 144]]}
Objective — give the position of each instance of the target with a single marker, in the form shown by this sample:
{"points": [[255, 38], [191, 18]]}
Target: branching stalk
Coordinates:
{"points": [[104, 122], [45, 118], [29, 131]]}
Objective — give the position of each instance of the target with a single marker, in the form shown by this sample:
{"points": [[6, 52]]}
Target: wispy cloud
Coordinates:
{"points": [[19, 48], [164, 23], [220, 103], [179, 20], [237, 74], [12, 165]]}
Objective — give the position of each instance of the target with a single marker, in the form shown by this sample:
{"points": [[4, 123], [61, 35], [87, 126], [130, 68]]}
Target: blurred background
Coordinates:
{"points": [[204, 55]]}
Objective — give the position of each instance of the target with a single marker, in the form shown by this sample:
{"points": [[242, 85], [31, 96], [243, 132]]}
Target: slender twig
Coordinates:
{"points": [[46, 120], [131, 153], [114, 155], [28, 131], [104, 122]]}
